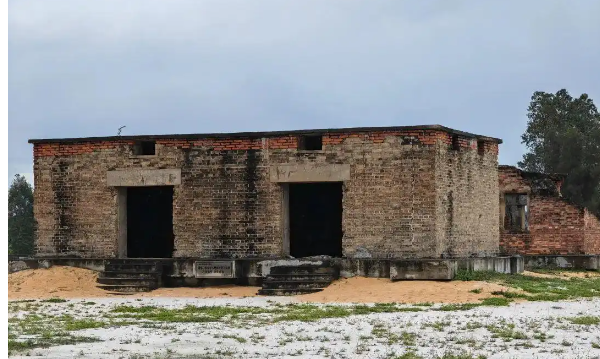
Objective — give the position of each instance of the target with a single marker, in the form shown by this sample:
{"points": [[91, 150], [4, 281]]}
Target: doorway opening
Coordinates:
{"points": [[150, 222], [315, 219]]}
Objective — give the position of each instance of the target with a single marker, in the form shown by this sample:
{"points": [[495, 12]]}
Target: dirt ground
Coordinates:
{"points": [[70, 282]]}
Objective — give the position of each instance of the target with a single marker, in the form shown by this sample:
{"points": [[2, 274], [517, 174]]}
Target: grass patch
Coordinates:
{"points": [[585, 320], [43, 331], [454, 307], [423, 304], [506, 332], [46, 342], [290, 312], [535, 288], [447, 355], [71, 324], [54, 300], [495, 301], [476, 291]]}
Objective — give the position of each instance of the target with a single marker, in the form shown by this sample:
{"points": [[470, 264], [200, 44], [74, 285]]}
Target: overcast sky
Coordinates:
{"points": [[85, 68]]}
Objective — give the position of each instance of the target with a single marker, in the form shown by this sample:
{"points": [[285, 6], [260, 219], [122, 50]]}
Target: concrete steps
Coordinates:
{"points": [[130, 275], [298, 279]]}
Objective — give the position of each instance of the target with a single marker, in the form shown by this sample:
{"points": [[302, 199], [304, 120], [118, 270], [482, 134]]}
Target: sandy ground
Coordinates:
{"points": [[375, 290], [69, 282], [523, 330]]}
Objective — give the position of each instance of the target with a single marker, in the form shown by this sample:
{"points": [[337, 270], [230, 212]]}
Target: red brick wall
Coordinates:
{"points": [[555, 225], [227, 206]]}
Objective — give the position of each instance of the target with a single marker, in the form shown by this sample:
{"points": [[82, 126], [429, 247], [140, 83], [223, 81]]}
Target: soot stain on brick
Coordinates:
{"points": [[61, 200], [250, 204], [223, 204]]}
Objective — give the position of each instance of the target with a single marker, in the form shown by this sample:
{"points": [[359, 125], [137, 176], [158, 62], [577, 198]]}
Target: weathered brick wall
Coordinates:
{"points": [[591, 240], [555, 225], [467, 209], [226, 205]]}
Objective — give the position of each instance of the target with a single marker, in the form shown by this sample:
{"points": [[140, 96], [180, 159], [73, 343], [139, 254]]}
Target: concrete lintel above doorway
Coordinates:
{"points": [[310, 173], [143, 177]]}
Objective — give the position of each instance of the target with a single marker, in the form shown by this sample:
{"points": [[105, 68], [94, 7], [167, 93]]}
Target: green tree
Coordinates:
{"points": [[21, 224], [563, 136]]}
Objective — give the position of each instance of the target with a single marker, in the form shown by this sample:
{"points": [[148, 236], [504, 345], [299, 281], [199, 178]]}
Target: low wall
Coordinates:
{"points": [[588, 262]]}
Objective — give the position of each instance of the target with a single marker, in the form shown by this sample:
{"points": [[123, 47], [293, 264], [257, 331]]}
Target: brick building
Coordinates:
{"points": [[536, 220], [390, 192]]}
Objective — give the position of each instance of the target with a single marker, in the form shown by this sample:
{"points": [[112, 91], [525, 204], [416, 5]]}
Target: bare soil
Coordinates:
{"points": [[70, 282]]}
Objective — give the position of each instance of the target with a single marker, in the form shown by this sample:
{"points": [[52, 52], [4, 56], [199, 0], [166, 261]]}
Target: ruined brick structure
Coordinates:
{"points": [[404, 192], [547, 224]]}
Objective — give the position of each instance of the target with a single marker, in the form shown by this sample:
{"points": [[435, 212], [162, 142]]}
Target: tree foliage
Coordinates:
{"points": [[21, 224], [563, 136]]}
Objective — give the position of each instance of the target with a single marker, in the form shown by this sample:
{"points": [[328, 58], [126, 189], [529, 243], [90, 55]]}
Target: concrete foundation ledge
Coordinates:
{"points": [[508, 265], [585, 262], [422, 270], [253, 270]]}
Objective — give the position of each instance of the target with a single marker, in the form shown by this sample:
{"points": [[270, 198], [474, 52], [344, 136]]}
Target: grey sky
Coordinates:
{"points": [[85, 68]]}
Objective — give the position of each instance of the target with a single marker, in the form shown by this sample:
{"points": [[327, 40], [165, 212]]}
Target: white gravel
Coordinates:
{"points": [[428, 333]]}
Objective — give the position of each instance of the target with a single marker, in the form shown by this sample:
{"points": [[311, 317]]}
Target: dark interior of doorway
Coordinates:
{"points": [[315, 219], [150, 222]]}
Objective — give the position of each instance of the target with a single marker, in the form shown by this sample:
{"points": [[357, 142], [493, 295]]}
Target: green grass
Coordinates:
{"points": [[423, 304], [447, 355], [476, 291], [439, 325], [71, 324], [22, 301], [535, 288], [455, 307], [41, 331], [235, 337], [495, 301], [290, 312], [585, 320], [54, 300], [46, 342], [506, 332]]}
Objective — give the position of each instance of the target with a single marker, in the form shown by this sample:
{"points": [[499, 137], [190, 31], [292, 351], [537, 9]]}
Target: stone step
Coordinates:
{"points": [[303, 270], [280, 292], [129, 281], [133, 267], [131, 275], [125, 288], [132, 260], [295, 284], [301, 277]]}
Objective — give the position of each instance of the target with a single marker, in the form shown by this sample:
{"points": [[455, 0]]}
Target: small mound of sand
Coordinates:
{"points": [[373, 290], [71, 282], [57, 281]]}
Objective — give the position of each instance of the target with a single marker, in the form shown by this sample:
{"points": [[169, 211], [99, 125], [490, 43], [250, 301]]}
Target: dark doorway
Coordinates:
{"points": [[150, 222], [315, 211]]}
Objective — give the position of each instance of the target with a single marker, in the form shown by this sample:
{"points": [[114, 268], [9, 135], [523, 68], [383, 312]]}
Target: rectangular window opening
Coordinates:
{"points": [[144, 148], [516, 217], [310, 143], [455, 143], [481, 147]]}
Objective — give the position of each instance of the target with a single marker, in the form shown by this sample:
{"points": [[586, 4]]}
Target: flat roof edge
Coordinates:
{"points": [[264, 134]]}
